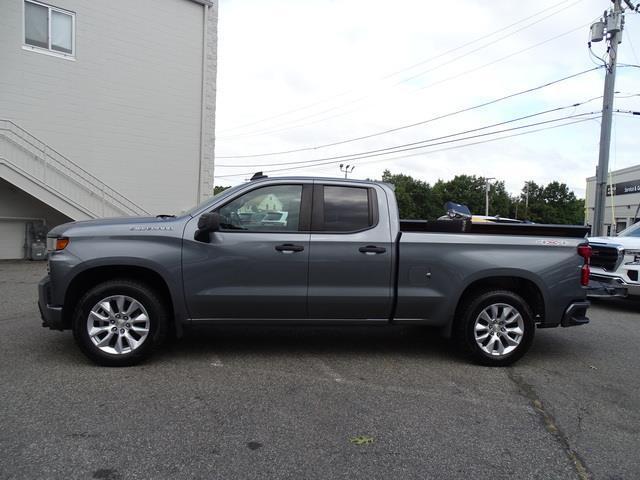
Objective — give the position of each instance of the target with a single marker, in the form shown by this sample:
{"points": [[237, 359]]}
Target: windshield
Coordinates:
{"points": [[632, 231], [217, 196]]}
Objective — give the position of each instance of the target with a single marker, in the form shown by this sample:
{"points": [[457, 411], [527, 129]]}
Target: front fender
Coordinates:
{"points": [[161, 258]]}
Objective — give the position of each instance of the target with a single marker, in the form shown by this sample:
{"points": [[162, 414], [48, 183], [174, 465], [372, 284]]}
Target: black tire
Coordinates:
{"points": [[466, 328], [158, 321]]}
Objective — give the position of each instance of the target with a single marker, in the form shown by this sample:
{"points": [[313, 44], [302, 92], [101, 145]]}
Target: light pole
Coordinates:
{"points": [[347, 169], [486, 195]]}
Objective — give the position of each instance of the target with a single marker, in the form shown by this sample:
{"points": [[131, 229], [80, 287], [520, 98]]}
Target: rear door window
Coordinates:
{"points": [[343, 209]]}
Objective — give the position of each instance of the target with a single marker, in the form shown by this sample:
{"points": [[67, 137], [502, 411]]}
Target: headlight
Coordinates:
{"points": [[57, 243], [632, 256]]}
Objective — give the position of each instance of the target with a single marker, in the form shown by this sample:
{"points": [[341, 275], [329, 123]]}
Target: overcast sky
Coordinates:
{"points": [[301, 74]]}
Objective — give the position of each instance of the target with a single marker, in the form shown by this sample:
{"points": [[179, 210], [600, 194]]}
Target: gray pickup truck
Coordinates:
{"points": [[310, 251]]}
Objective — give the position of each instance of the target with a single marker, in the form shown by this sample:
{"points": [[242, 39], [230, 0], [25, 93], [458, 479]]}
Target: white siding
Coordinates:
{"points": [[128, 109]]}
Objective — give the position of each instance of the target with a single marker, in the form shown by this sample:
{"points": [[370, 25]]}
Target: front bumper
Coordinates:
{"points": [[51, 314], [611, 286], [575, 314]]}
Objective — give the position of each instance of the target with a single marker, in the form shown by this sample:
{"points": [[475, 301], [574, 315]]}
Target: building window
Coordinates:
{"points": [[48, 29]]}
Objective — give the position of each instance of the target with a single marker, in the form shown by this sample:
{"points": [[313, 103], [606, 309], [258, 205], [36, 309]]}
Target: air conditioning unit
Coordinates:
{"points": [[36, 240]]}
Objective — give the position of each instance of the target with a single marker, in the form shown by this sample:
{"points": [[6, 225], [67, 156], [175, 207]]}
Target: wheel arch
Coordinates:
{"points": [[527, 288], [88, 278]]}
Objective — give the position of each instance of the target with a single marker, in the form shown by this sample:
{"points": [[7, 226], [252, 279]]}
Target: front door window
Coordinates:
{"points": [[269, 209]]}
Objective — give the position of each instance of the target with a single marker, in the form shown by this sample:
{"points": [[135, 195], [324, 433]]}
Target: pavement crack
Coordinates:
{"points": [[548, 421]]}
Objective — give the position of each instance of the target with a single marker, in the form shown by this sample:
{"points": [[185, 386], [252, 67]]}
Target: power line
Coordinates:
{"points": [[444, 80], [487, 45], [428, 60], [423, 122], [633, 50], [455, 147], [400, 157], [464, 132], [513, 54], [335, 161], [432, 69]]}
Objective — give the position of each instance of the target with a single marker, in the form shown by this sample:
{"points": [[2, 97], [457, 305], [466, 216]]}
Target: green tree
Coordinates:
{"points": [[553, 203], [415, 197], [470, 191], [218, 188]]}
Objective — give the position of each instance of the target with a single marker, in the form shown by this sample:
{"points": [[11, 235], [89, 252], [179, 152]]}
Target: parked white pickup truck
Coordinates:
{"points": [[616, 277]]}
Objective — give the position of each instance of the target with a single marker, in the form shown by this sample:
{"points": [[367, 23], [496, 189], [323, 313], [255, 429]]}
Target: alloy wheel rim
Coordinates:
{"points": [[118, 324], [499, 329]]}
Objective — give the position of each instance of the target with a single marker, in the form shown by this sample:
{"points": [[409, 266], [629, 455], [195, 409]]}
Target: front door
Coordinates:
{"points": [[256, 266]]}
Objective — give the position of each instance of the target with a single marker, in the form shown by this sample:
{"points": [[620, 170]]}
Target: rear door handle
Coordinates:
{"points": [[372, 250], [289, 248]]}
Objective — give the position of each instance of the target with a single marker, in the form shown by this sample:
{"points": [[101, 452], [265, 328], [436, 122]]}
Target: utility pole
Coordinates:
{"points": [[613, 21], [487, 185], [526, 200], [347, 169]]}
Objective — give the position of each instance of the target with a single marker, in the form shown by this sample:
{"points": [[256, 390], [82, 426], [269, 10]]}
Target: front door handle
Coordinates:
{"points": [[289, 248], [372, 250]]}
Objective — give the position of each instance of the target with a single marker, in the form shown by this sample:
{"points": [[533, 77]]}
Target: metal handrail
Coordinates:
{"points": [[57, 192], [45, 152]]}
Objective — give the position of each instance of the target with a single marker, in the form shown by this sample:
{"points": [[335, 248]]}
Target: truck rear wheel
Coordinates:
{"points": [[119, 323], [496, 327]]}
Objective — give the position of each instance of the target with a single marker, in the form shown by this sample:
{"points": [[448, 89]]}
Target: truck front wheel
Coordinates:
{"points": [[496, 328], [119, 322]]}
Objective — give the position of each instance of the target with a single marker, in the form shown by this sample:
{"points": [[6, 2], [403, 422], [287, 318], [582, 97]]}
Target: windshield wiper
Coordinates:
{"points": [[165, 215]]}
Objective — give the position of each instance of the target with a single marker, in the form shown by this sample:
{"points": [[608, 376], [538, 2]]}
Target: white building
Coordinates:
{"points": [[106, 109], [623, 199]]}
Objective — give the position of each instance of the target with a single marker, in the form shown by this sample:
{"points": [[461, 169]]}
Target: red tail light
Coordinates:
{"points": [[584, 275], [585, 252]]}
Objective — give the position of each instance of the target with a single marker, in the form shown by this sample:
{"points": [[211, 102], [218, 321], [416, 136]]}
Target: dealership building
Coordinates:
{"points": [[622, 206], [106, 109]]}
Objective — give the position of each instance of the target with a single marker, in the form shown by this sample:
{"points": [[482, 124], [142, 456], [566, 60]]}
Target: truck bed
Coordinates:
{"points": [[465, 226]]}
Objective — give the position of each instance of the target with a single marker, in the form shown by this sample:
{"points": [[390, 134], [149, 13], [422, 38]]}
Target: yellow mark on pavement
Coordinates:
{"points": [[361, 440]]}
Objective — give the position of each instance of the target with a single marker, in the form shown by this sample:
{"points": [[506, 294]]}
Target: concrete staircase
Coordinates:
{"points": [[39, 170]]}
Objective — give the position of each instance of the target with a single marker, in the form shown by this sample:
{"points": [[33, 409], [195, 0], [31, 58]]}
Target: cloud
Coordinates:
{"points": [[298, 74]]}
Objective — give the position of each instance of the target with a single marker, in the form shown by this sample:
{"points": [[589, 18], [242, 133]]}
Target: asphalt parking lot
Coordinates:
{"points": [[374, 403]]}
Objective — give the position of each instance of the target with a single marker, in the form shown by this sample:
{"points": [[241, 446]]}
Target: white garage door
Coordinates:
{"points": [[12, 234]]}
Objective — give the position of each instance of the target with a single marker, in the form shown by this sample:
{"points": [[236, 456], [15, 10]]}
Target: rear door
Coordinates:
{"points": [[350, 262]]}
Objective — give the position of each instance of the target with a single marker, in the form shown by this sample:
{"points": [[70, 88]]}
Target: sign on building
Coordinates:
{"points": [[624, 188]]}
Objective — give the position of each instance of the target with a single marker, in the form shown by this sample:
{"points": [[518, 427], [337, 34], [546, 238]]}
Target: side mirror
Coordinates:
{"points": [[207, 223]]}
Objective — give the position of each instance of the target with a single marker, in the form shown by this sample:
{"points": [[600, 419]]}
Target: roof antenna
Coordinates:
{"points": [[258, 176]]}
